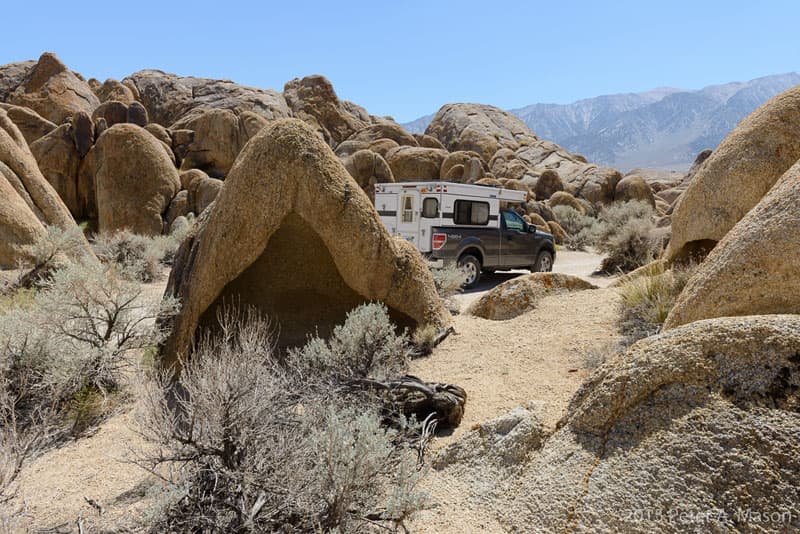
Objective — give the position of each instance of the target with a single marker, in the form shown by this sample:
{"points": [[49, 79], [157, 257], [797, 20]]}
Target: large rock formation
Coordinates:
{"points": [[292, 234], [482, 129], [754, 269], [135, 180], [411, 163], [31, 124], [11, 76], [736, 176], [168, 97], [29, 202], [694, 430], [368, 168], [512, 151], [53, 91], [202, 192], [219, 135], [115, 90], [634, 187], [520, 295], [59, 162], [314, 100]]}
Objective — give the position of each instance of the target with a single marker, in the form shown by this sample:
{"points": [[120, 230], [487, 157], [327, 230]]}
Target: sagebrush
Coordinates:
{"points": [[136, 256], [64, 350], [259, 442], [625, 233]]}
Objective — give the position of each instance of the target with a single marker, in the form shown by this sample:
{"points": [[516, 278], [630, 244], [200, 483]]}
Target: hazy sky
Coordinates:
{"points": [[406, 59]]}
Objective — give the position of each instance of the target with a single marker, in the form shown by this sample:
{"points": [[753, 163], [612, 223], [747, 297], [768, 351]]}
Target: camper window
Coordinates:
{"points": [[469, 212], [430, 207], [408, 209]]}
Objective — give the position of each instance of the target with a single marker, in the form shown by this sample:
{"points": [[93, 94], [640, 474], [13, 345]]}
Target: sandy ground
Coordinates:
{"points": [[535, 360], [538, 357]]}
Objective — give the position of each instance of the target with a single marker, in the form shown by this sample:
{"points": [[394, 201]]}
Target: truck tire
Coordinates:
{"points": [[544, 262], [472, 267]]}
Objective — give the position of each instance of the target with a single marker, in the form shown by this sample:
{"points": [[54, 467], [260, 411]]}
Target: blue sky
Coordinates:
{"points": [[407, 58]]}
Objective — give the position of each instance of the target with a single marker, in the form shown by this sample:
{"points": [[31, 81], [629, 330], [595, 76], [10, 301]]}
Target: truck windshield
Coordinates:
{"points": [[513, 221]]}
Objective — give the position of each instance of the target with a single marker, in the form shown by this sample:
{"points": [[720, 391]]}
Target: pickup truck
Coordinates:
{"points": [[466, 224], [514, 245]]}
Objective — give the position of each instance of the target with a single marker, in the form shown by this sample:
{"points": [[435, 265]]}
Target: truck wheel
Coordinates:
{"points": [[544, 262], [472, 268]]}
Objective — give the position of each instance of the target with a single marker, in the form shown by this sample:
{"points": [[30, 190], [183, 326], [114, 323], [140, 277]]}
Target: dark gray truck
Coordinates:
{"points": [[514, 245]]}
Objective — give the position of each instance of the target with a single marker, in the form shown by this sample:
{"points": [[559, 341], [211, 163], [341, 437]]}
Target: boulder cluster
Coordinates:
{"points": [[142, 152], [696, 428]]}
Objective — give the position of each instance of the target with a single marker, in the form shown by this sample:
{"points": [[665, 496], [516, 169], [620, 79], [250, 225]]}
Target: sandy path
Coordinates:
{"points": [[536, 359]]}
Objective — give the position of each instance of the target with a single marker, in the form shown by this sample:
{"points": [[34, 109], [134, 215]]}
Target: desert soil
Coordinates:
{"points": [[536, 360]]}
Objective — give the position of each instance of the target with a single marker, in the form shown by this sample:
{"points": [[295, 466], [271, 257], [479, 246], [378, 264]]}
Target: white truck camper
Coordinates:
{"points": [[412, 209], [463, 224]]}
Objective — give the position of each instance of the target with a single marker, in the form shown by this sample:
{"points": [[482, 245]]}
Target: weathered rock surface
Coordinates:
{"points": [[472, 167], [562, 198], [29, 201], [512, 151], [634, 187], [754, 269], [292, 234], [479, 128], [313, 100], [11, 76], [53, 91], [202, 192], [384, 130], [411, 163], [179, 207], [115, 90], [548, 183], [168, 97], [58, 160], [736, 176], [30, 124], [520, 295], [687, 431], [135, 180], [368, 168], [219, 135]]}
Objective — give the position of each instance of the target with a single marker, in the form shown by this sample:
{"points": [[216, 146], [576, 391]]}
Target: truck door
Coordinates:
{"points": [[408, 217], [516, 247]]}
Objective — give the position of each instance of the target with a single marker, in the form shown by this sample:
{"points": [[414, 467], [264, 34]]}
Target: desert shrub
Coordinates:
{"points": [[579, 227], [139, 257], [648, 299], [365, 345], [260, 443], [624, 232], [57, 247], [65, 350], [448, 280]]}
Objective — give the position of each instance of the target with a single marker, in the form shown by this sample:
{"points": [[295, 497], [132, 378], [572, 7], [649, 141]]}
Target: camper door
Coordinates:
{"points": [[408, 216]]}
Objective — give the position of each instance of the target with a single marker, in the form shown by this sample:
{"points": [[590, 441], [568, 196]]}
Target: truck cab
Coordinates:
{"points": [[471, 226]]}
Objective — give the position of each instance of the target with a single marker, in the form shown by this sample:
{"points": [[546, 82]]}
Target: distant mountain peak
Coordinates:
{"points": [[662, 128]]}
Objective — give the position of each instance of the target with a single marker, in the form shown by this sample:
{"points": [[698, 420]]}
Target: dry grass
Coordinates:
{"points": [[648, 299]]}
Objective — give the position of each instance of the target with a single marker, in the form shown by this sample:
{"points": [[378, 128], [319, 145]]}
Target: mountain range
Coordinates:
{"points": [[663, 128]]}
